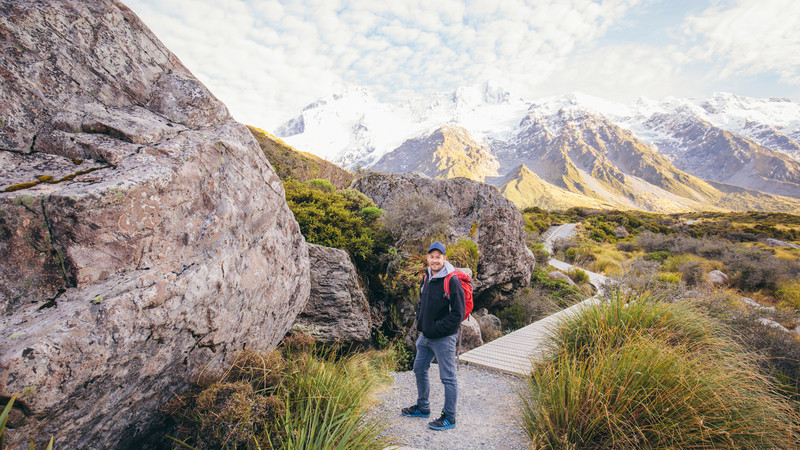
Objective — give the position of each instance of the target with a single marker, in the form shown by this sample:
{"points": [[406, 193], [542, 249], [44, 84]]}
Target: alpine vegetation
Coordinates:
{"points": [[636, 372]]}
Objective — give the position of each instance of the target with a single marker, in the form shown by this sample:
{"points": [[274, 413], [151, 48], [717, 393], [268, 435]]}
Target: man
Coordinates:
{"points": [[438, 320]]}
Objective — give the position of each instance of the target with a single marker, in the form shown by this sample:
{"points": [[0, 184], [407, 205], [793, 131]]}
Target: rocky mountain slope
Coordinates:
{"points": [[290, 163], [648, 155], [448, 152], [143, 235]]}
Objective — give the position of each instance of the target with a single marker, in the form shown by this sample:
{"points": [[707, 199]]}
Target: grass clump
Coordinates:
{"points": [[634, 372], [464, 253], [298, 397]]}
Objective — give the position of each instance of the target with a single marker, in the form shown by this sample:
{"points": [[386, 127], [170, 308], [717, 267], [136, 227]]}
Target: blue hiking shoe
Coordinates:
{"points": [[415, 411], [443, 423]]}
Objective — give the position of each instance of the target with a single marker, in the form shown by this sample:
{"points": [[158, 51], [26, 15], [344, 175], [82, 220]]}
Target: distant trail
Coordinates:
{"points": [[515, 353], [565, 231]]}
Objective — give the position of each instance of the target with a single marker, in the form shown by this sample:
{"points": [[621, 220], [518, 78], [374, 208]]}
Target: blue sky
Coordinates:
{"points": [[267, 59]]}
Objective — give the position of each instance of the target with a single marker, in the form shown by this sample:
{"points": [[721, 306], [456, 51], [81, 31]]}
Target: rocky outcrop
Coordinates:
{"points": [[143, 235], [481, 213], [337, 309]]}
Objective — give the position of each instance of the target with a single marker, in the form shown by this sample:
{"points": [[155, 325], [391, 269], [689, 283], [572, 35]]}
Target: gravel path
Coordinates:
{"points": [[485, 418]]}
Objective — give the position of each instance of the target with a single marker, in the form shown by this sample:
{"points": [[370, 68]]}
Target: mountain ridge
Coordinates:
{"points": [[670, 154]]}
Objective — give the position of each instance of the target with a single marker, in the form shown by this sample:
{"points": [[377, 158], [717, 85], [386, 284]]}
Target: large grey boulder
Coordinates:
{"points": [[143, 235], [481, 213], [337, 309]]}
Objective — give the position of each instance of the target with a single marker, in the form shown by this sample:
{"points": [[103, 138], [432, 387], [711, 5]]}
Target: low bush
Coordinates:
{"points": [[542, 256], [627, 246], [334, 219], [416, 220], [562, 245], [513, 316], [659, 255], [297, 398], [542, 298], [321, 184], [635, 372], [571, 254]]}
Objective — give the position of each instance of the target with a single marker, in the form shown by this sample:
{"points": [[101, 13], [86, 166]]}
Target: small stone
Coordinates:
{"points": [[470, 334], [772, 323], [750, 302], [556, 275], [717, 277]]}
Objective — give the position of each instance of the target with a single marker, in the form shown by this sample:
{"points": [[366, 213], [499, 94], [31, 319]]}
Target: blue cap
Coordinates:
{"points": [[436, 246]]}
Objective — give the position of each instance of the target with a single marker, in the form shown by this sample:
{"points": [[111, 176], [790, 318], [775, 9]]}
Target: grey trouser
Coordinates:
{"points": [[444, 349]]}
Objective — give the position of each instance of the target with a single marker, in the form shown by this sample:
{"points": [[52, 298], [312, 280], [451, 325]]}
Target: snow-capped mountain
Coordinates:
{"points": [[353, 129], [670, 154]]}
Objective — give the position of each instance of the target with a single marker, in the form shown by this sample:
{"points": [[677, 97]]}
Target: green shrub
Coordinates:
{"points": [[321, 184], [537, 220], [659, 255], [559, 291], [627, 246], [530, 305], [634, 372], [513, 316], [542, 256], [571, 254], [332, 219], [356, 200], [543, 297], [370, 214]]}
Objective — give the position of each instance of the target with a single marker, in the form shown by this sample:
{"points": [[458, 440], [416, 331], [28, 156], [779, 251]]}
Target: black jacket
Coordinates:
{"points": [[439, 316]]}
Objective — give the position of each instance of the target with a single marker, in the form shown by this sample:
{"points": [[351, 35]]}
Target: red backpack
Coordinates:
{"points": [[466, 285]]}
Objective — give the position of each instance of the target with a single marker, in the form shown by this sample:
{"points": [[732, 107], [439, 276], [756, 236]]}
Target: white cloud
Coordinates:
{"points": [[266, 59], [623, 72], [749, 37]]}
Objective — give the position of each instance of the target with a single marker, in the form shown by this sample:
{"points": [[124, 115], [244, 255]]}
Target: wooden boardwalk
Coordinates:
{"points": [[515, 353]]}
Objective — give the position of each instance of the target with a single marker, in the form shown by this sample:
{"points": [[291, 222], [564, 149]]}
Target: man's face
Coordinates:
{"points": [[436, 260]]}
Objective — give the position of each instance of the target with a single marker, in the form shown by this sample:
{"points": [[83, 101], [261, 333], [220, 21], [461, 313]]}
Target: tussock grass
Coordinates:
{"points": [[299, 397], [626, 314], [635, 372]]}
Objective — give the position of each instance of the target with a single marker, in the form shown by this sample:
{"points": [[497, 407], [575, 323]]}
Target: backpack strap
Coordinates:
{"points": [[447, 284]]}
